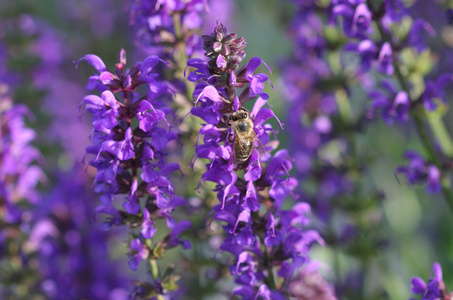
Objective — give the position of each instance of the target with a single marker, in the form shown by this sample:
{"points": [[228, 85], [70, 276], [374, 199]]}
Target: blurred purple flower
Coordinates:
{"points": [[392, 104], [435, 92], [435, 289], [419, 171], [62, 228], [19, 171], [355, 15]]}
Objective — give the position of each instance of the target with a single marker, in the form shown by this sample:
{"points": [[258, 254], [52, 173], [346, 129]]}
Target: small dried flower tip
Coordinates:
{"points": [[225, 51]]}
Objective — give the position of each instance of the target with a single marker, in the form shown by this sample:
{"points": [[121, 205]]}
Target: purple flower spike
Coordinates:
{"points": [[19, 172], [130, 145], [235, 140]]}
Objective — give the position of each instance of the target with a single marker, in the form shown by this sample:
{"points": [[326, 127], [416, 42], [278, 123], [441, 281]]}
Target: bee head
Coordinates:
{"points": [[239, 115]]}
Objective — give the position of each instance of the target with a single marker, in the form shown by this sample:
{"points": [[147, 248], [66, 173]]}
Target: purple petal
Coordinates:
{"points": [[418, 286], [94, 61], [259, 103], [263, 115], [169, 168], [437, 271]]}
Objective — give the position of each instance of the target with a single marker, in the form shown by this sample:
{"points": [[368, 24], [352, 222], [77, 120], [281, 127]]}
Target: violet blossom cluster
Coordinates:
{"points": [[309, 88], [20, 175], [317, 83], [419, 171], [65, 130], [408, 93], [398, 97], [19, 169], [45, 56], [131, 139], [44, 238], [261, 234], [19, 172], [167, 24]]}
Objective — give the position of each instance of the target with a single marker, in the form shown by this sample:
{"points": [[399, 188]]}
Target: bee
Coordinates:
{"points": [[244, 135]]}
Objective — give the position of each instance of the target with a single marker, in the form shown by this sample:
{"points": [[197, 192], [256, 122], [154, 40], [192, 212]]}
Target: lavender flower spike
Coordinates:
{"points": [[19, 173], [130, 144], [237, 141]]}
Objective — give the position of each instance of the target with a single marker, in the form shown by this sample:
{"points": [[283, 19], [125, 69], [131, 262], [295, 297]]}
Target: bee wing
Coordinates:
{"points": [[233, 153], [259, 146]]}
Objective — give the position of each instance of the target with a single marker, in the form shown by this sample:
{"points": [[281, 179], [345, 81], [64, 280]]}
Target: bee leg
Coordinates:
{"points": [[230, 136]]}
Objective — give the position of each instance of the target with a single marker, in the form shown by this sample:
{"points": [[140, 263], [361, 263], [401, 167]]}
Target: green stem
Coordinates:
{"points": [[440, 131], [445, 183], [425, 140], [344, 106], [154, 269], [180, 54], [268, 262]]}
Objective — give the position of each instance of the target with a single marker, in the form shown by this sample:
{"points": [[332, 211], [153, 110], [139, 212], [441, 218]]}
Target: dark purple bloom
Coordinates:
{"points": [[367, 50], [148, 119], [131, 205], [394, 11], [419, 171], [123, 149], [137, 253], [434, 92], [415, 35], [356, 17], [385, 59], [148, 229], [392, 104], [104, 109]]}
